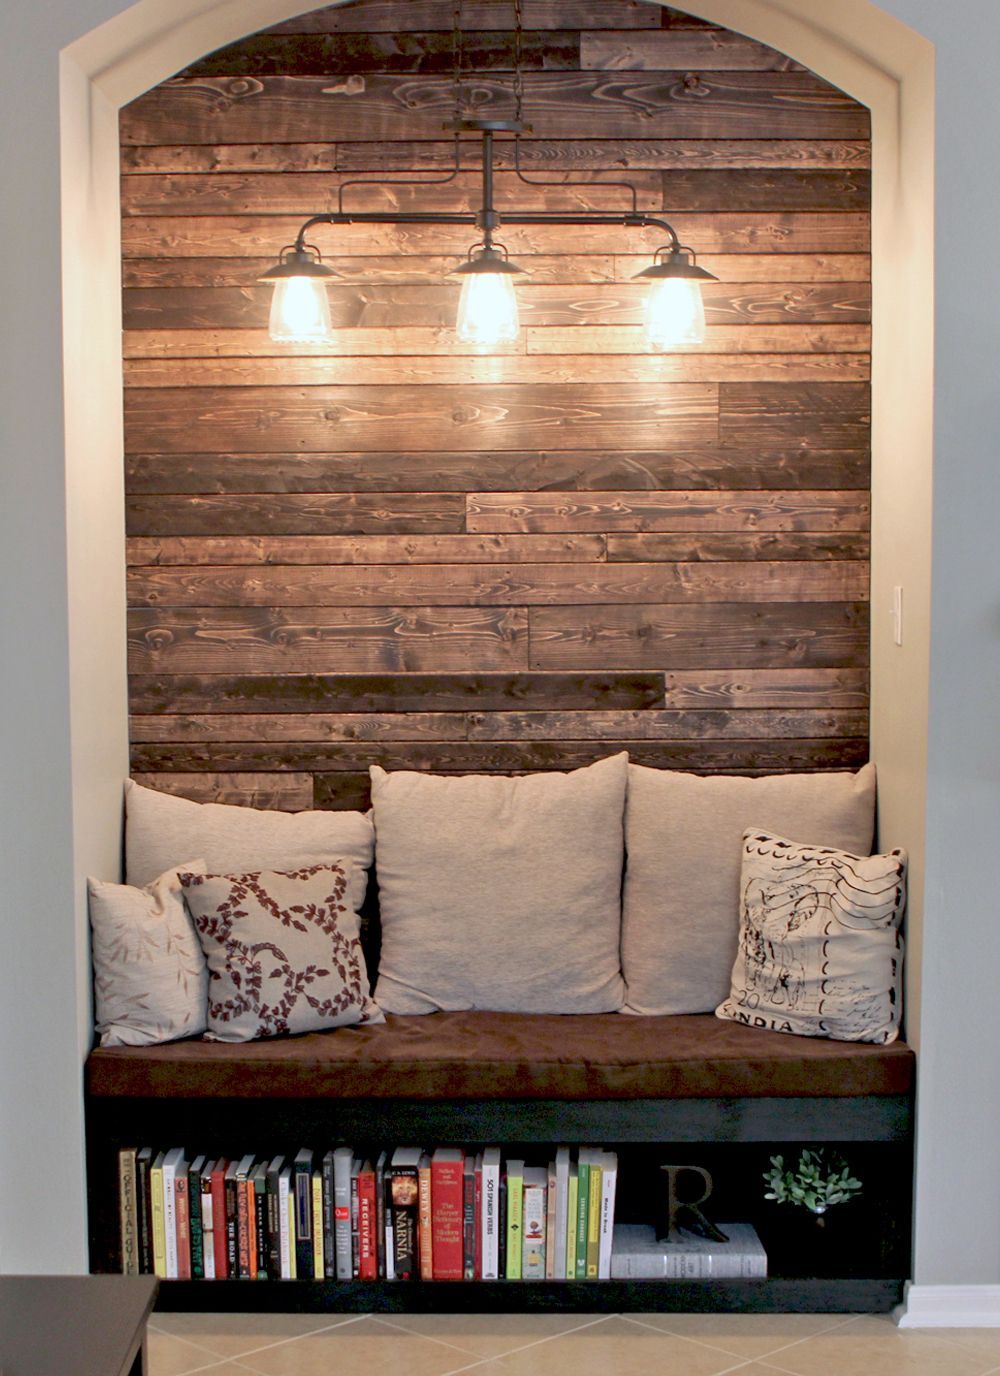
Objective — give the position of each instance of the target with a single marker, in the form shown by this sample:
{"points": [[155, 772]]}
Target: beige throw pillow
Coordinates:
{"points": [[283, 952], [683, 836], [150, 979], [820, 952], [160, 828], [500, 893]]}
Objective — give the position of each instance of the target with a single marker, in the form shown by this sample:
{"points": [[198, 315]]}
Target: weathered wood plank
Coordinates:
{"points": [[558, 104], [327, 640], [760, 190], [685, 725], [404, 16], [296, 514], [305, 193], [408, 692], [724, 545], [283, 792], [530, 512], [201, 236], [234, 550], [770, 635], [713, 50], [810, 413], [515, 585], [494, 756], [568, 268], [270, 54], [539, 368], [388, 306], [840, 689], [611, 469], [269, 419], [565, 341], [307, 726]]}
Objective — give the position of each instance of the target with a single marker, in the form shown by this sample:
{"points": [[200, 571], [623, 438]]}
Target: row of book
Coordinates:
{"points": [[447, 1215]]}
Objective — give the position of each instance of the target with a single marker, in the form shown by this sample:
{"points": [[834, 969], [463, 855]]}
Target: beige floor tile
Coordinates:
{"points": [[614, 1348], [170, 1356], [366, 1348], [874, 1346], [743, 1335], [490, 1335], [233, 1335]]}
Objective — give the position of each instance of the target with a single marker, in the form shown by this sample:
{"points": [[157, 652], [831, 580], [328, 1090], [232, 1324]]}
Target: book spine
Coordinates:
{"points": [[169, 1220], [329, 1224], [502, 1227], [533, 1239], [550, 1224], [388, 1229], [380, 1213], [446, 1219], [159, 1234], [342, 1212], [571, 1215], [515, 1220], [425, 1243], [293, 1251], [242, 1230], [594, 1222], [477, 1217], [207, 1224], [403, 1192], [128, 1223], [219, 1222], [469, 1220], [263, 1245], [490, 1214], [232, 1224], [561, 1212], [285, 1247], [195, 1224], [609, 1185], [367, 1225], [582, 1218], [183, 1214], [355, 1222], [144, 1210], [319, 1259], [303, 1219]]}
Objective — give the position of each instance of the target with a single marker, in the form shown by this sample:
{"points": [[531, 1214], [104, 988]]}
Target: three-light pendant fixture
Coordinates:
{"points": [[673, 310]]}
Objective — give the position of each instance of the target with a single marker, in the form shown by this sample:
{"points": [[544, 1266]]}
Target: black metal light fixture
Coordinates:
{"points": [[674, 313]]}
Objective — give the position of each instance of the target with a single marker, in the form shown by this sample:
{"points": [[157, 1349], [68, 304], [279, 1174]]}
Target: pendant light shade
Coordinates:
{"points": [[300, 308], [487, 307], [674, 311]]}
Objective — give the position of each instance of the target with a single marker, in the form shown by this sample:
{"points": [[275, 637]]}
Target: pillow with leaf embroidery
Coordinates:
{"points": [[820, 951], [283, 951]]}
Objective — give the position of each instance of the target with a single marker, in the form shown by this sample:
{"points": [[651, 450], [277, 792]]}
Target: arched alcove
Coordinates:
{"points": [[877, 60]]}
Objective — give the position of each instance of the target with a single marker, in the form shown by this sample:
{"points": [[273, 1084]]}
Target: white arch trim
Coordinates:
{"points": [[860, 48]]}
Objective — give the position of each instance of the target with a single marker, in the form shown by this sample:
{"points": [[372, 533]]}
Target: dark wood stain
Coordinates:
{"points": [[392, 550]]}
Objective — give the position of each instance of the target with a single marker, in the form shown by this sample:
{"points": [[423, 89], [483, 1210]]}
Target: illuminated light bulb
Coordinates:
{"points": [[487, 310], [300, 311], [674, 313]]}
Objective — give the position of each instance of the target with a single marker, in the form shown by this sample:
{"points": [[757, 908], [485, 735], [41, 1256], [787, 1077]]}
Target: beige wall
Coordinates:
{"points": [[62, 738]]}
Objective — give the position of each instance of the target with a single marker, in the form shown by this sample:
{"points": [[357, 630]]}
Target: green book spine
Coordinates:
{"points": [[582, 1217], [515, 1217]]}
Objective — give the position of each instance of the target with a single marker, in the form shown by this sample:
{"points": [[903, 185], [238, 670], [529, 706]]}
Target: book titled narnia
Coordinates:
{"points": [[404, 1194]]}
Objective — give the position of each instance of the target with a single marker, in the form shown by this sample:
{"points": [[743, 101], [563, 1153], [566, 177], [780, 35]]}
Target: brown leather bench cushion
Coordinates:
{"points": [[478, 1055]]}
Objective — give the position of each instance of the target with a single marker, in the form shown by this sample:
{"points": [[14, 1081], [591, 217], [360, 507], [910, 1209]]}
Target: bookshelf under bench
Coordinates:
{"points": [[190, 1097]]}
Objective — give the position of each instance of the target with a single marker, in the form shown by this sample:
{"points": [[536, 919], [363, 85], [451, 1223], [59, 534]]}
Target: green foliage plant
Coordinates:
{"points": [[820, 1180]]}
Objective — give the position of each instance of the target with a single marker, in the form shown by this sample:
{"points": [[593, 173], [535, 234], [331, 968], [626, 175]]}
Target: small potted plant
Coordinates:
{"points": [[819, 1181]]}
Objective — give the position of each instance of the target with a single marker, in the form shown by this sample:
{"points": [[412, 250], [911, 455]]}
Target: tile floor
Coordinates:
{"points": [[562, 1345]]}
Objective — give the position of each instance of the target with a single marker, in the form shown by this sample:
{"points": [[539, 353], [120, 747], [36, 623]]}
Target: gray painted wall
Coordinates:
{"points": [[47, 843]]}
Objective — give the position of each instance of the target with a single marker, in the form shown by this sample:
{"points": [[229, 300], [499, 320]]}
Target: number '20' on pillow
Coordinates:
{"points": [[820, 951]]}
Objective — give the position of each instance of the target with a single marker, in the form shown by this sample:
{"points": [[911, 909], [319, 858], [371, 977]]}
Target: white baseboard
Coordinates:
{"points": [[949, 1306]]}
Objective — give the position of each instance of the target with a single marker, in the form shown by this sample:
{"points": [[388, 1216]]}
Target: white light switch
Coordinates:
{"points": [[897, 615]]}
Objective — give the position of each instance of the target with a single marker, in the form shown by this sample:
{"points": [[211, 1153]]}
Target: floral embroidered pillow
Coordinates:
{"points": [[150, 978], [283, 951], [820, 952]]}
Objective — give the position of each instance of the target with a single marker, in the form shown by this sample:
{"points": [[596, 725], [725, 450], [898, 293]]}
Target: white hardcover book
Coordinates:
{"points": [[342, 1160], [284, 1239], [171, 1161], [609, 1185], [637, 1255], [207, 1222], [562, 1203], [490, 1218], [533, 1235]]}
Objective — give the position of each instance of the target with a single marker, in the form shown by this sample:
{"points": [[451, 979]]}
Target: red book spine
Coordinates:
{"points": [[446, 1219], [219, 1219], [367, 1242], [182, 1218], [478, 1221]]}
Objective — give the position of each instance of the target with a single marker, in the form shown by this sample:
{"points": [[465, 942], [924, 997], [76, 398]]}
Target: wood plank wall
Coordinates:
{"points": [[395, 551]]}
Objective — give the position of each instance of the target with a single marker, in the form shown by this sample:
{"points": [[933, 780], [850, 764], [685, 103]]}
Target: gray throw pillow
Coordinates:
{"points": [[820, 952], [161, 829], [500, 893], [683, 839]]}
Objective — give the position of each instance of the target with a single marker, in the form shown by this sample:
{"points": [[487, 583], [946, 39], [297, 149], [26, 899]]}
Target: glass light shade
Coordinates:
{"points": [[300, 311], [487, 309], [674, 312]]}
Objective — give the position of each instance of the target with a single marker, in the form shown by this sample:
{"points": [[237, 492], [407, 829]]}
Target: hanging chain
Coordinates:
{"points": [[518, 73]]}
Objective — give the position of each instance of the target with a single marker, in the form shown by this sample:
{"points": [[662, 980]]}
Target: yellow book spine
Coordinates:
{"points": [[572, 1206], [317, 1203], [594, 1222], [159, 1227], [291, 1235], [515, 1224]]}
